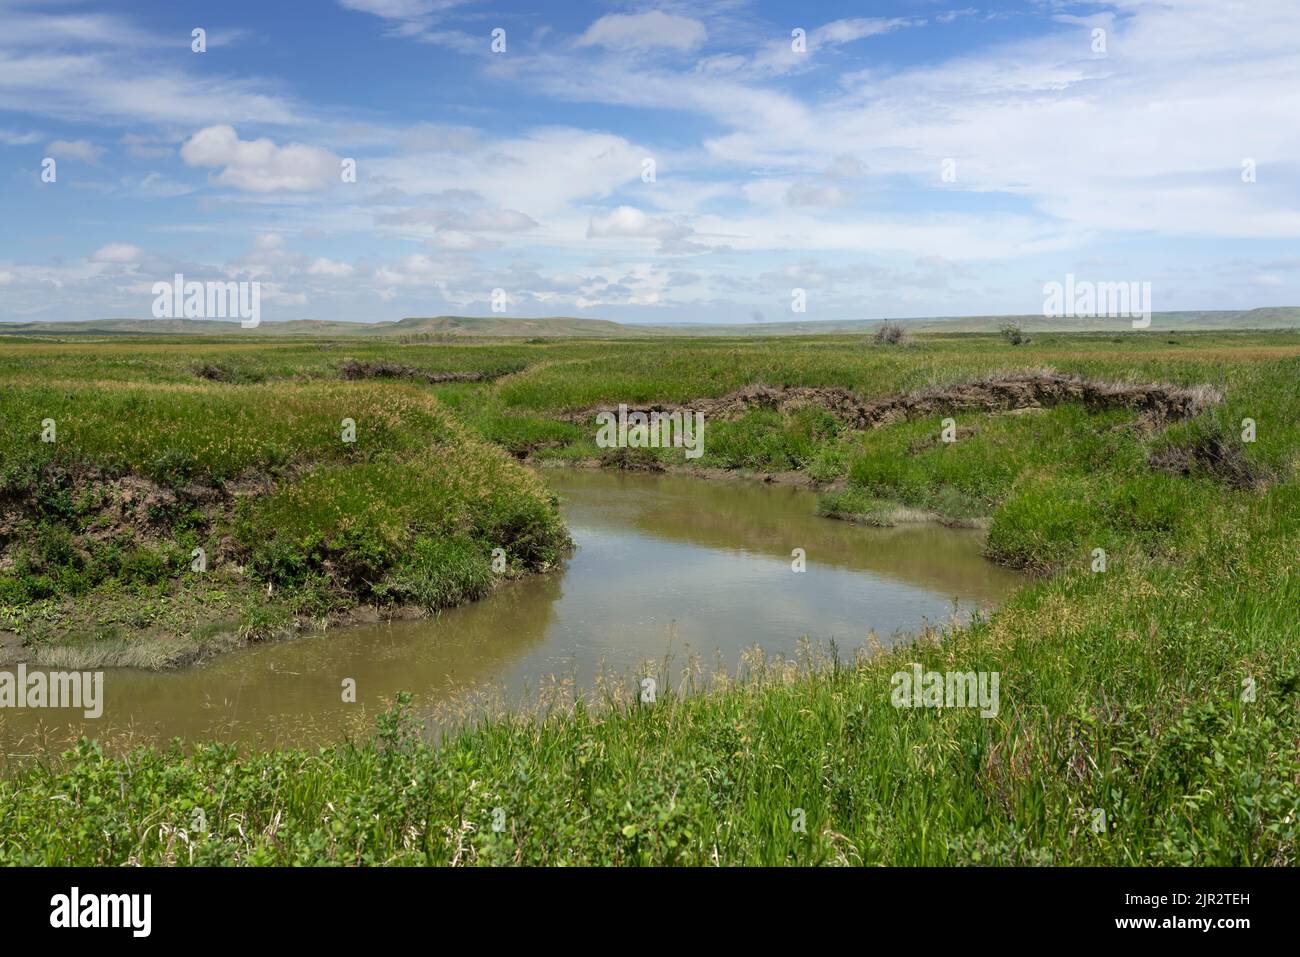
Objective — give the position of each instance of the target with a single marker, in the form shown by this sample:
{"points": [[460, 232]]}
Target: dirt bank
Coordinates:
{"points": [[352, 369], [1156, 404], [794, 478]]}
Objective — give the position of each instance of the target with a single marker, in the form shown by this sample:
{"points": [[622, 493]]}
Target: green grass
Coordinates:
{"points": [[1121, 690], [259, 476]]}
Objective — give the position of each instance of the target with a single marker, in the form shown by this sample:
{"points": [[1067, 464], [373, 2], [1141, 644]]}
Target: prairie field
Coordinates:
{"points": [[1147, 483]]}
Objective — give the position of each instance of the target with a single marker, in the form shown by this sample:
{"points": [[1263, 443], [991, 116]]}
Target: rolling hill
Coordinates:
{"points": [[1273, 317]]}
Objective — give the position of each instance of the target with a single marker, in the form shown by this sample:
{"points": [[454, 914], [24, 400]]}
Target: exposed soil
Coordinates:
{"points": [[631, 460], [214, 372], [129, 505], [1156, 404], [1210, 455], [795, 478], [352, 369], [136, 509]]}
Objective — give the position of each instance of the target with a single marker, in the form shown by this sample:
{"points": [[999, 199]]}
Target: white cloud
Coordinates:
{"points": [[14, 138], [845, 166], [457, 241], [75, 149], [810, 194], [538, 173], [328, 267], [641, 31], [416, 270], [95, 69], [117, 253], [419, 20], [259, 165], [394, 9], [156, 186], [778, 57], [59, 30], [858, 28], [628, 221], [276, 293], [472, 220], [951, 15], [146, 147]]}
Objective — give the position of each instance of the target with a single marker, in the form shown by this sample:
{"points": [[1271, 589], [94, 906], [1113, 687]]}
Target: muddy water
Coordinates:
{"points": [[662, 564]]}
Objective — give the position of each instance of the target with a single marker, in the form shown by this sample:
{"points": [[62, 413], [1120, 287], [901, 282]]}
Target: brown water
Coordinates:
{"points": [[663, 564]]}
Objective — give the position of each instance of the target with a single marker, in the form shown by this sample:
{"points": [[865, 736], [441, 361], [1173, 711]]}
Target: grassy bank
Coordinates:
{"points": [[149, 520], [1149, 712]]}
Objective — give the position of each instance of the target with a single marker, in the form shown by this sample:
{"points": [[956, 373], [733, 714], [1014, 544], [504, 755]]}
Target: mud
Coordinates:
{"points": [[352, 369], [1156, 404]]}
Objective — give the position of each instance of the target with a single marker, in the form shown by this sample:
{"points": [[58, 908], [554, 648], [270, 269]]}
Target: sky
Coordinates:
{"points": [[721, 162]]}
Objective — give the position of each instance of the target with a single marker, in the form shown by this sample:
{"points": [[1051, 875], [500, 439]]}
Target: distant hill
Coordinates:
{"points": [[505, 326], [1273, 317]]}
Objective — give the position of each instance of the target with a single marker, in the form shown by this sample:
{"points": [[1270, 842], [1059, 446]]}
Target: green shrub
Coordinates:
{"points": [[439, 573]]}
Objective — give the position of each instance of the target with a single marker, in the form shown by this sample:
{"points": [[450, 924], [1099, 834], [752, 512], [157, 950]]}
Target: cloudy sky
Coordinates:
{"points": [[654, 162]]}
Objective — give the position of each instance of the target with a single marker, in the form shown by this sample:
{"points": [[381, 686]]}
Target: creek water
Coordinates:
{"points": [[664, 565]]}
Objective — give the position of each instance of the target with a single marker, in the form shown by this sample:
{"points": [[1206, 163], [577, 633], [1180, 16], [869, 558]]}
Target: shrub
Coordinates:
{"points": [[440, 573], [1013, 333], [891, 334]]}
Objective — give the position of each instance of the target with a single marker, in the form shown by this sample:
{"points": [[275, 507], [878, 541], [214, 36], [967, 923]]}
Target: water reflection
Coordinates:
{"points": [[708, 563]]}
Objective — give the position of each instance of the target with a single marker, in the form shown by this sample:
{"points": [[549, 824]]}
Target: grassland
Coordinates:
{"points": [[1163, 691]]}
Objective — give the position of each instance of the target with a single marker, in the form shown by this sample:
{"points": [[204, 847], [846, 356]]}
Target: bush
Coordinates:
{"points": [[1013, 334], [891, 334]]}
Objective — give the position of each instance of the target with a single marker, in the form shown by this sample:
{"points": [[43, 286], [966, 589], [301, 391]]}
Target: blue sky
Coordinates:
{"points": [[524, 170]]}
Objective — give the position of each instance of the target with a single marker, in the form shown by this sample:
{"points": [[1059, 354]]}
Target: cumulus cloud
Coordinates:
{"points": [[643, 31], [630, 222], [260, 166]]}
